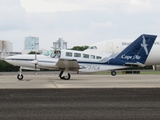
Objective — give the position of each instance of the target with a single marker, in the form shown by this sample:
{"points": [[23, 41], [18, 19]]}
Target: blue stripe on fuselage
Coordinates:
{"points": [[19, 59], [110, 62]]}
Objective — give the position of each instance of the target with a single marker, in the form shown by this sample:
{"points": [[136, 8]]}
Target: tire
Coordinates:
{"points": [[19, 76], [113, 73], [60, 75], [66, 77]]}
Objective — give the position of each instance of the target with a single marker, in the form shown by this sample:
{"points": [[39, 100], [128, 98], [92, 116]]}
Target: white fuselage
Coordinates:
{"points": [[117, 45], [88, 62], [99, 58]]}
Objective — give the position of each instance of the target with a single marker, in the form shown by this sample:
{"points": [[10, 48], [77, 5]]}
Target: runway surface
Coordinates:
{"points": [[80, 104], [94, 97]]}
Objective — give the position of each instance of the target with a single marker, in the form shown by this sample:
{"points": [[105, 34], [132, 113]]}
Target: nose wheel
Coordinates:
{"points": [[19, 76]]}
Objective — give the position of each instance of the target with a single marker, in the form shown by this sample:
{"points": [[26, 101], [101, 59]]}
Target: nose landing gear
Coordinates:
{"points": [[20, 75]]}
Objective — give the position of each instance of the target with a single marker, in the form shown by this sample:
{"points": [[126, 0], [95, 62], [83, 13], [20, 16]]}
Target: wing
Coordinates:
{"points": [[70, 64]]}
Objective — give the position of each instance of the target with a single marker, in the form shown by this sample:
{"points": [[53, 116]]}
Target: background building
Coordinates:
{"points": [[60, 44], [31, 43], [5, 48]]}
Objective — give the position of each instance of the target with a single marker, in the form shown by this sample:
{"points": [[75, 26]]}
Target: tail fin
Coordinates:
{"points": [[138, 50]]}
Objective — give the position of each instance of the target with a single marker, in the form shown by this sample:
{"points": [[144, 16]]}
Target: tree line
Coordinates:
{"points": [[6, 67]]}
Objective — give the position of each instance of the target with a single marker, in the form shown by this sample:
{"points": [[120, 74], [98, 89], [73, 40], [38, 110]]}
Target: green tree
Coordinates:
{"points": [[79, 48], [6, 67], [33, 52]]}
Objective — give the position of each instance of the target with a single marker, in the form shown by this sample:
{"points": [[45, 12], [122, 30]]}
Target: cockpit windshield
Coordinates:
{"points": [[53, 53], [48, 52]]}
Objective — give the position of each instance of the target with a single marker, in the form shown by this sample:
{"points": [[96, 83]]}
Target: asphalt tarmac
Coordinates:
{"points": [[80, 104], [84, 97]]}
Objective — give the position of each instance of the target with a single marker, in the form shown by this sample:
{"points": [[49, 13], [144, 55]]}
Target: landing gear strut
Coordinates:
{"points": [[64, 77], [20, 75], [113, 72]]}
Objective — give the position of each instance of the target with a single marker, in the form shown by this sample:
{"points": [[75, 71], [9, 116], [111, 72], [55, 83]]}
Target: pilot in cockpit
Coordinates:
{"points": [[57, 54]]}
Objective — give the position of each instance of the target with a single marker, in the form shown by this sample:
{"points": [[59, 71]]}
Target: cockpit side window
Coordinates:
{"points": [[57, 54]]}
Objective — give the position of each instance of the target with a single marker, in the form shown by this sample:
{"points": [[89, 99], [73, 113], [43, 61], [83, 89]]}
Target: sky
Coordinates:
{"points": [[78, 22]]}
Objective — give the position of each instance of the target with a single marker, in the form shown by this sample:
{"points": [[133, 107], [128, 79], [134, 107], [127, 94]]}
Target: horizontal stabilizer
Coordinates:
{"points": [[135, 64]]}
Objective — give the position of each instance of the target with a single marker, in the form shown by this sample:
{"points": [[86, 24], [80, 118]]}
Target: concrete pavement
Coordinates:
{"points": [[41, 81]]}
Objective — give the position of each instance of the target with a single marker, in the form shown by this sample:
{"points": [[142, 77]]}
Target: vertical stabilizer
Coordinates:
{"points": [[138, 50]]}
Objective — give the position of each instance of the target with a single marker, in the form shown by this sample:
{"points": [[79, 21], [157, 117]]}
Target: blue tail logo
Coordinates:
{"points": [[144, 45], [138, 50]]}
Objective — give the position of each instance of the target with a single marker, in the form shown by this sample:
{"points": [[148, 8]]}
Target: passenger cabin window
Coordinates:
{"points": [[92, 56], [68, 54], [85, 56], [77, 54], [98, 57]]}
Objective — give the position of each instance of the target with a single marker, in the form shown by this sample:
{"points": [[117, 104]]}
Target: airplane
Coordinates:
{"points": [[115, 46], [69, 60]]}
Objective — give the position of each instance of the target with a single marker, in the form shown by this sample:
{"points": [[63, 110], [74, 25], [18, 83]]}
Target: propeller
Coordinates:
{"points": [[36, 62]]}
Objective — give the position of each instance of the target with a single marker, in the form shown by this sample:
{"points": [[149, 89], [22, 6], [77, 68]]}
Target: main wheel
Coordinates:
{"points": [[113, 73], [19, 76], [60, 75], [65, 77]]}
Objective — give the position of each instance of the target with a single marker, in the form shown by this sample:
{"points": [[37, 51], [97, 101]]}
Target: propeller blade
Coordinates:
{"points": [[35, 62]]}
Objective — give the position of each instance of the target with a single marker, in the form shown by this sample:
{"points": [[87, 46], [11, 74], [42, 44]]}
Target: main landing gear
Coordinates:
{"points": [[64, 75], [20, 75], [113, 73]]}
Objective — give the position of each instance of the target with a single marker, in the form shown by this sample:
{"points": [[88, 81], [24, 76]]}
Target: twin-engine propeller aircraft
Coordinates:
{"points": [[68, 60]]}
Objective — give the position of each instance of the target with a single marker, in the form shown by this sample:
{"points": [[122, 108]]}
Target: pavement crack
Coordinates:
{"points": [[53, 82]]}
